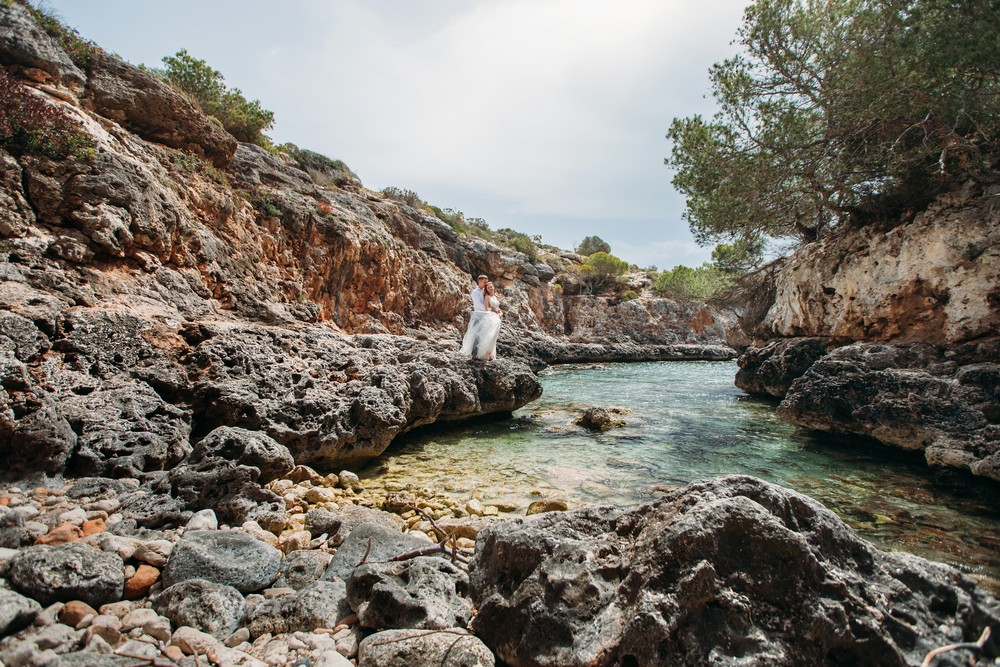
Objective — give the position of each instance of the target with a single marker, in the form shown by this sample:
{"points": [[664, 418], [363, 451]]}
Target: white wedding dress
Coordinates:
{"points": [[484, 327]]}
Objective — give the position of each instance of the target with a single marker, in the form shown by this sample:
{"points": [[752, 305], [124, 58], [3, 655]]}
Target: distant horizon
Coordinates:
{"points": [[561, 136]]}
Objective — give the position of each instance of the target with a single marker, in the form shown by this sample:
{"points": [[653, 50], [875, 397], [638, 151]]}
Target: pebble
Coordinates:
{"points": [[193, 641], [203, 520], [73, 613], [139, 584]]}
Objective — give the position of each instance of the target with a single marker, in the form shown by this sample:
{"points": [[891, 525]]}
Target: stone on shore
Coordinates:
{"points": [[68, 572], [369, 542], [301, 569], [451, 648], [16, 611], [423, 593], [223, 557], [321, 605], [213, 608]]}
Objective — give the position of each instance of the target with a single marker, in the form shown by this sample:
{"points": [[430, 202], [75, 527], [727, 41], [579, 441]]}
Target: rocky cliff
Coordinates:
{"points": [[161, 280], [891, 330]]}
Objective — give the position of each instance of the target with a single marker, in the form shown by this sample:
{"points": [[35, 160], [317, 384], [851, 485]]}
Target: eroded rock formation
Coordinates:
{"points": [[890, 331], [727, 571]]}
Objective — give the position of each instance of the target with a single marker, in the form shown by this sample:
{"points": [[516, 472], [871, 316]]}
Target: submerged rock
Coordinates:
{"points": [[726, 571]]}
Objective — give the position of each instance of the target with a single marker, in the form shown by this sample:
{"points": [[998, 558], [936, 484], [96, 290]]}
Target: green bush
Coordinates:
{"points": [[244, 119], [684, 283], [602, 271], [322, 170], [629, 295], [30, 125]]}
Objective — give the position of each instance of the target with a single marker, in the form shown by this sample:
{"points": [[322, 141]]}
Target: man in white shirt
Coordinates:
{"points": [[478, 298]]}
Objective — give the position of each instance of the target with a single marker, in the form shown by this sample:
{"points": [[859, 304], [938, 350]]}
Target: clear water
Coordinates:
{"points": [[687, 421]]}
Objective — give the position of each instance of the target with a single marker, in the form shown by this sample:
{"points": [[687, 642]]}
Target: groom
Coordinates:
{"points": [[478, 298]]}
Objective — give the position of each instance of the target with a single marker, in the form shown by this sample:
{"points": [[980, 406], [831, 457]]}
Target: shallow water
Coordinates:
{"points": [[687, 421]]}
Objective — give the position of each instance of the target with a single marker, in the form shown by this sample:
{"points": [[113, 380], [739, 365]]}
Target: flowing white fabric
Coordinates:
{"points": [[481, 337]]}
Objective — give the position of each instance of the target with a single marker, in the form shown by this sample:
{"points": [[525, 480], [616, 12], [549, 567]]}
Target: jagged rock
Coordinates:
{"points": [[321, 605], [233, 490], [301, 569], [155, 111], [599, 420], [730, 570], [422, 593], [13, 534], [213, 608], [454, 648], [24, 43], [911, 396], [376, 542], [68, 572], [771, 369], [247, 448], [16, 611], [223, 557]]}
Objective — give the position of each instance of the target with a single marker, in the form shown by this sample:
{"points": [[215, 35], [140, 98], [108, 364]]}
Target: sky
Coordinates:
{"points": [[545, 116]]}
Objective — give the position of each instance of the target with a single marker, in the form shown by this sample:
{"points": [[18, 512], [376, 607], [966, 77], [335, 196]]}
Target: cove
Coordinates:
{"points": [[687, 421]]}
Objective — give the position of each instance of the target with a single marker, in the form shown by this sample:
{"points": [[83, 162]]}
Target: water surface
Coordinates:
{"points": [[687, 421]]}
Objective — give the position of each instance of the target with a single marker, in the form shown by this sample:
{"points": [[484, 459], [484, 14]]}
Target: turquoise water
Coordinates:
{"points": [[687, 421]]}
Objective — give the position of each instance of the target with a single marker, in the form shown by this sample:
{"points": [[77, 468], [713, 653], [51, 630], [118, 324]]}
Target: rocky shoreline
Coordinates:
{"points": [[342, 574]]}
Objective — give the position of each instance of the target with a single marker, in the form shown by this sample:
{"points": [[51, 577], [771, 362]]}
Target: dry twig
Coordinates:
{"points": [[972, 646]]}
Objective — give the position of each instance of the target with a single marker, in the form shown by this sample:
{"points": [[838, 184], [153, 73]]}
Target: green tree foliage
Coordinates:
{"points": [[30, 125], [741, 256], [244, 119], [841, 109], [602, 271], [592, 244], [684, 283]]}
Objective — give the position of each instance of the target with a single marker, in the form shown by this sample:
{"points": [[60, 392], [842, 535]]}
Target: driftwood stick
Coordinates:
{"points": [[972, 646]]}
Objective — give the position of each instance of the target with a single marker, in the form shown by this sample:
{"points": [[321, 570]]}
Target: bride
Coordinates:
{"points": [[484, 327]]}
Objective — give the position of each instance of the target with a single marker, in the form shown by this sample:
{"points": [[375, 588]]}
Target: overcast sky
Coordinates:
{"points": [[545, 116]]}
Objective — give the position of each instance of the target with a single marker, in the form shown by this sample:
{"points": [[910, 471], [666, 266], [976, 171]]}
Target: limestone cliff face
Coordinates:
{"points": [[932, 280], [174, 282], [891, 331]]}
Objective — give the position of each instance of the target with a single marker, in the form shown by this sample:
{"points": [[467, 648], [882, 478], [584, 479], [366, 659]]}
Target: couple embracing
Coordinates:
{"points": [[484, 325]]}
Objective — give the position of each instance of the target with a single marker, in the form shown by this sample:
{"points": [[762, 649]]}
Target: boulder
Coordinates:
{"points": [[452, 648], [301, 569], [369, 543], [771, 369], [228, 557], [68, 572], [16, 611], [913, 396], [320, 605], [249, 448], [422, 593], [599, 420], [726, 571], [144, 104], [216, 609]]}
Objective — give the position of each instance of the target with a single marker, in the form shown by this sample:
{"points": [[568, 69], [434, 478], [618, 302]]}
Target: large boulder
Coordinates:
{"points": [[68, 572], [915, 396], [452, 648], [16, 611], [727, 571], [771, 368], [423, 593], [155, 111], [370, 542]]}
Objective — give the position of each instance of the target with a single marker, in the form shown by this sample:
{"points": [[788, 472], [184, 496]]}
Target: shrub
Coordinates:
{"points": [[592, 244], [244, 119], [602, 271], [685, 283], [322, 170], [408, 197], [630, 295], [31, 125]]}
